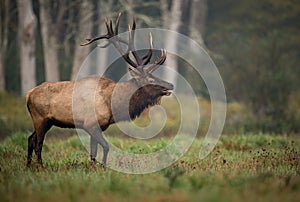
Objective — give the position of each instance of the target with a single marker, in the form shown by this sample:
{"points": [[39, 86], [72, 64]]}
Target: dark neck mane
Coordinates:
{"points": [[141, 100]]}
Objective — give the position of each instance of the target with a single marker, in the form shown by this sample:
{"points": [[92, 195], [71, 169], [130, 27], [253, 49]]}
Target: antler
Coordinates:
{"points": [[158, 62], [113, 38]]}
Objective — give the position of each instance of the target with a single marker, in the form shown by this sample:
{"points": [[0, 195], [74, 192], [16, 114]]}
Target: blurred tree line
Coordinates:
{"points": [[255, 45]]}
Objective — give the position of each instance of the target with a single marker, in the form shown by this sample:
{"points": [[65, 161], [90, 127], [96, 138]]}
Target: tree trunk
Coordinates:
{"points": [[3, 40], [27, 29], [50, 44], [2, 69], [165, 13], [173, 20], [105, 9], [103, 55], [84, 30], [197, 20]]}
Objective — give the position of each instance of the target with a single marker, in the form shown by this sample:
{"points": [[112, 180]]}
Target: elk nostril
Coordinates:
{"points": [[171, 86]]}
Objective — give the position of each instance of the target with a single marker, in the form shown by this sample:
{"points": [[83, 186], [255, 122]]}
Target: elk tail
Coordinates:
{"points": [[27, 98]]}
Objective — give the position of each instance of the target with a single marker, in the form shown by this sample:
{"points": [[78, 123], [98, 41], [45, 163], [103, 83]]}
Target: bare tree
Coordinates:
{"points": [[104, 11], [4, 20], [50, 44], [84, 29], [197, 20], [172, 21], [26, 31], [165, 13]]}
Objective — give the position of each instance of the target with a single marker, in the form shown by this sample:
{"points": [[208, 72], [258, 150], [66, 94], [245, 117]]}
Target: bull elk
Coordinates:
{"points": [[51, 103]]}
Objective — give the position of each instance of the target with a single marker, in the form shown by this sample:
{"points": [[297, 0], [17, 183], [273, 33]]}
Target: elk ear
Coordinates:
{"points": [[134, 72]]}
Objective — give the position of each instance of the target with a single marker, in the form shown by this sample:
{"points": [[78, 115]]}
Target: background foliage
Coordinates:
{"points": [[257, 46]]}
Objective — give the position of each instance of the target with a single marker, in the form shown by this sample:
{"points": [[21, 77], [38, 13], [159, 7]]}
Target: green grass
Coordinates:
{"points": [[256, 167]]}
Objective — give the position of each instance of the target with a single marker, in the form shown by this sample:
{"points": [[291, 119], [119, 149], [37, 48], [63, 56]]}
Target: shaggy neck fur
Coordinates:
{"points": [[141, 100], [129, 94]]}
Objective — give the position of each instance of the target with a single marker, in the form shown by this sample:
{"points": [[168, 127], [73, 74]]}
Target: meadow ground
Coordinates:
{"points": [[255, 167]]}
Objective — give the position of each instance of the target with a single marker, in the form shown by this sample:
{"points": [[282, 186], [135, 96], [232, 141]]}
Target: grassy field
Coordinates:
{"points": [[255, 167]]}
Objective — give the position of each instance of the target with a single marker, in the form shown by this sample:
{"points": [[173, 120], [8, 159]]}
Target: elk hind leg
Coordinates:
{"points": [[31, 146], [40, 133]]}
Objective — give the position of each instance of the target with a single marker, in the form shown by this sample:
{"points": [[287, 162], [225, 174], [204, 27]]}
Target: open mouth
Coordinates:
{"points": [[167, 92]]}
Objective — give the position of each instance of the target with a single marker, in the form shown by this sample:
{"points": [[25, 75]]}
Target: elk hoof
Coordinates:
{"points": [[93, 161], [40, 163], [103, 166]]}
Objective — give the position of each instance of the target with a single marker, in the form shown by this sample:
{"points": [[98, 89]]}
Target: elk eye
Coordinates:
{"points": [[151, 80]]}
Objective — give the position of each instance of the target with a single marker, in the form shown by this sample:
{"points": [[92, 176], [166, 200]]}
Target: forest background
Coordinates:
{"points": [[255, 45]]}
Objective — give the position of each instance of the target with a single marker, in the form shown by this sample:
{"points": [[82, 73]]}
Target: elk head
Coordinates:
{"points": [[139, 69]]}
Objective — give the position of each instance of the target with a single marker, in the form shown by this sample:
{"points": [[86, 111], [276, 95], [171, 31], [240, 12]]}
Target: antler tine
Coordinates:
{"points": [[117, 24], [111, 27], [158, 62], [133, 24], [107, 26], [89, 41], [146, 58], [131, 48], [130, 41], [116, 30], [162, 58]]}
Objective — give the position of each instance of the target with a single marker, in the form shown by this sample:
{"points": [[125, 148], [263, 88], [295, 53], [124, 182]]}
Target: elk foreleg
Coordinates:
{"points": [[96, 134], [94, 149]]}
